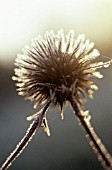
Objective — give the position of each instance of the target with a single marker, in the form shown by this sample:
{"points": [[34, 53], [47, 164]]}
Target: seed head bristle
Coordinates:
{"points": [[56, 68]]}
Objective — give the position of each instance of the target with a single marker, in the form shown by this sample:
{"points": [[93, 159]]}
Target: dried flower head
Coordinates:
{"points": [[57, 68], [54, 70]]}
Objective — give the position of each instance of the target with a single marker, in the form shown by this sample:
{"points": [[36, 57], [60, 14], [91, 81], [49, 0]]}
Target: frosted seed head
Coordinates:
{"points": [[57, 63]]}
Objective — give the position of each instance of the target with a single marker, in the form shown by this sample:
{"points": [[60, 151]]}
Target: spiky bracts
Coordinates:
{"points": [[56, 68]]}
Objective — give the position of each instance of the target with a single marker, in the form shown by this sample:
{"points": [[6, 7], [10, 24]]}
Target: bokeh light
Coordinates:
{"points": [[22, 20]]}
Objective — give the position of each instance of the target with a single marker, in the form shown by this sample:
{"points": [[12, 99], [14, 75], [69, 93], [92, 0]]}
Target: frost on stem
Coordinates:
{"points": [[34, 126], [95, 142]]}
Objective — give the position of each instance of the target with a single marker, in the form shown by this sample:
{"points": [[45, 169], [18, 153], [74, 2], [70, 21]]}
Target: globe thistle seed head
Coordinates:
{"points": [[57, 68]]}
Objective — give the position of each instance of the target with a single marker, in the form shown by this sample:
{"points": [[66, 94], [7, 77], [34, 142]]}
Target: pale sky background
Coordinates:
{"points": [[21, 20]]}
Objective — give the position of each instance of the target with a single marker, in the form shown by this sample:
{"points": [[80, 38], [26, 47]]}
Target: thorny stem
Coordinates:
{"points": [[103, 156], [36, 124]]}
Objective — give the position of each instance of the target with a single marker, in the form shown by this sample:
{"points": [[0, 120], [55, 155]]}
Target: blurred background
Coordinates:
{"points": [[67, 148]]}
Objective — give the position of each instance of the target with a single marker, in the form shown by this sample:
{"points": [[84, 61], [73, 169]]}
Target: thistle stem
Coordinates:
{"points": [[34, 126], [98, 147]]}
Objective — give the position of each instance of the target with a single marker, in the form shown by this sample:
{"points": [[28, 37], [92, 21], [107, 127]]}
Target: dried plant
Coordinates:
{"points": [[54, 70]]}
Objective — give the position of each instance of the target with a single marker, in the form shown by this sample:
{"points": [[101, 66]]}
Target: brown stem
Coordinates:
{"points": [[103, 156], [36, 124]]}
